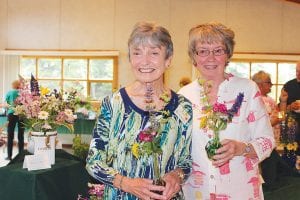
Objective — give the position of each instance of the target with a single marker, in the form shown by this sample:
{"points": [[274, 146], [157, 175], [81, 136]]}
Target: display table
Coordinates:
{"points": [[281, 181], [63, 181]]}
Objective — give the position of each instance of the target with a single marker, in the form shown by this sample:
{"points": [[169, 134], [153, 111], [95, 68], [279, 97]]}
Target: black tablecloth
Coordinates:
{"points": [[281, 181], [63, 181]]}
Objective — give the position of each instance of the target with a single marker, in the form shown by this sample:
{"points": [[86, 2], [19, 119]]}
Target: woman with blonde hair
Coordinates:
{"points": [[232, 133]]}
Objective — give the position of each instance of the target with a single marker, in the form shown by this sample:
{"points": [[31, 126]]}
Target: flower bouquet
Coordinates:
{"points": [[216, 117], [95, 192], [148, 144], [44, 110], [148, 139]]}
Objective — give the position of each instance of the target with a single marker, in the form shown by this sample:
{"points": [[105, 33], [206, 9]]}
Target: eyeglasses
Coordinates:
{"points": [[206, 52], [268, 82]]}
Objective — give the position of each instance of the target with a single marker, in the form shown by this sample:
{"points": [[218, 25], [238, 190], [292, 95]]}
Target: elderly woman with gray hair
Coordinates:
{"points": [[232, 133], [264, 83], [143, 131]]}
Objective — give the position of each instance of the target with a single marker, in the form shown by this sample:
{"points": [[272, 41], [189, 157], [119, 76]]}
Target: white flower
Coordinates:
{"points": [[68, 112], [43, 115]]}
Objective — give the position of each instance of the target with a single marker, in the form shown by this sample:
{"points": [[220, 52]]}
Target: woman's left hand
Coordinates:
{"points": [[173, 186], [229, 149]]}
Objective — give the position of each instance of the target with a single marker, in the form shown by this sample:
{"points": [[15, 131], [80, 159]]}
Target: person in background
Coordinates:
{"points": [[243, 125], [184, 81], [13, 120], [264, 83], [289, 100], [143, 111]]}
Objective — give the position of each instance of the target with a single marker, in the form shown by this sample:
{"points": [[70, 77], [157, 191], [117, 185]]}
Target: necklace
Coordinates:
{"points": [[150, 107]]}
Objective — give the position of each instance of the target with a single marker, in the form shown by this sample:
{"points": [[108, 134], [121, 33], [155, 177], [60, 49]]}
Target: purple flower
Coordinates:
{"points": [[236, 106]]}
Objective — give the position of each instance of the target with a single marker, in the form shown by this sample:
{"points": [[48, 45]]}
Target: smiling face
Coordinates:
{"points": [[211, 66], [148, 62]]}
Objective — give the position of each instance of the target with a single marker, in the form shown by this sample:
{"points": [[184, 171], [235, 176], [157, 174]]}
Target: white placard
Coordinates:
{"points": [[37, 161]]}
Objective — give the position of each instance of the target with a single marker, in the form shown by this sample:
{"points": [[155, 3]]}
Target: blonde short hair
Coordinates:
{"points": [[211, 33], [260, 77]]}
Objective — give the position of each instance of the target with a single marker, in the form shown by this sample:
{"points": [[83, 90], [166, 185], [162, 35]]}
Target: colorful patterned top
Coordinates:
{"points": [[118, 126], [239, 179]]}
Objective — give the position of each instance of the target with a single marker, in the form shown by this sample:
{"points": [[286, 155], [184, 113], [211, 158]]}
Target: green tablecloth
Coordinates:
{"points": [[63, 181]]}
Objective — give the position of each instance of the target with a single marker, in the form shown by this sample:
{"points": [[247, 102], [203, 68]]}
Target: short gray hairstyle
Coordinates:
{"points": [[260, 77], [145, 32], [211, 33]]}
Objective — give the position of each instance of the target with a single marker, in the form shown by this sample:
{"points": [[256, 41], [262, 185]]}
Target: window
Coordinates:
{"points": [[280, 72], [95, 77]]}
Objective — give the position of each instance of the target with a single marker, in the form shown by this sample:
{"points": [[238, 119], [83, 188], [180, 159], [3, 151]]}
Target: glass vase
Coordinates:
{"points": [[157, 180], [212, 145]]}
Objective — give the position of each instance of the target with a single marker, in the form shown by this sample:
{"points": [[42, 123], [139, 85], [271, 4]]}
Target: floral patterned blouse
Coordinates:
{"points": [[117, 128], [239, 179]]}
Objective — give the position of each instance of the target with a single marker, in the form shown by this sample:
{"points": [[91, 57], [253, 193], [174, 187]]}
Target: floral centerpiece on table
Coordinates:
{"points": [[44, 110], [216, 117], [288, 139]]}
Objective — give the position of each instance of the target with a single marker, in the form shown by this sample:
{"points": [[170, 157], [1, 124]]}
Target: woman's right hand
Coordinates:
{"points": [[142, 188]]}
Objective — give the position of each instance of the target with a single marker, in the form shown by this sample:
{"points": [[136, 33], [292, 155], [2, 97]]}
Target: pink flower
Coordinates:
{"points": [[219, 107], [145, 137]]}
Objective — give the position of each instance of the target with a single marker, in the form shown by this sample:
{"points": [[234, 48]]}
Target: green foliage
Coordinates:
{"points": [[80, 149]]}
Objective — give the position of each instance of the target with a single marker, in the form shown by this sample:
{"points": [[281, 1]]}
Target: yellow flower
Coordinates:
{"points": [[290, 146], [44, 91], [295, 144], [203, 122], [135, 150]]}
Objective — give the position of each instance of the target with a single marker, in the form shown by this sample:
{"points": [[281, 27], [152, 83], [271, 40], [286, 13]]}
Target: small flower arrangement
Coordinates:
{"points": [[216, 117], [43, 110], [288, 139], [148, 139], [95, 192]]}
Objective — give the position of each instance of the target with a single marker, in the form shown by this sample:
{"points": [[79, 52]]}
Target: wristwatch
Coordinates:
{"points": [[247, 149]]}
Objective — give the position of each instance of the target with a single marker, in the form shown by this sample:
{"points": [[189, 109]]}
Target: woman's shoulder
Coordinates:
{"points": [[189, 89], [241, 82], [183, 100], [113, 98], [183, 110]]}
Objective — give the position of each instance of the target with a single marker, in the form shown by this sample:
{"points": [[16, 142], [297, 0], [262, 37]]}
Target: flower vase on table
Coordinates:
{"points": [[43, 112], [40, 142]]}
